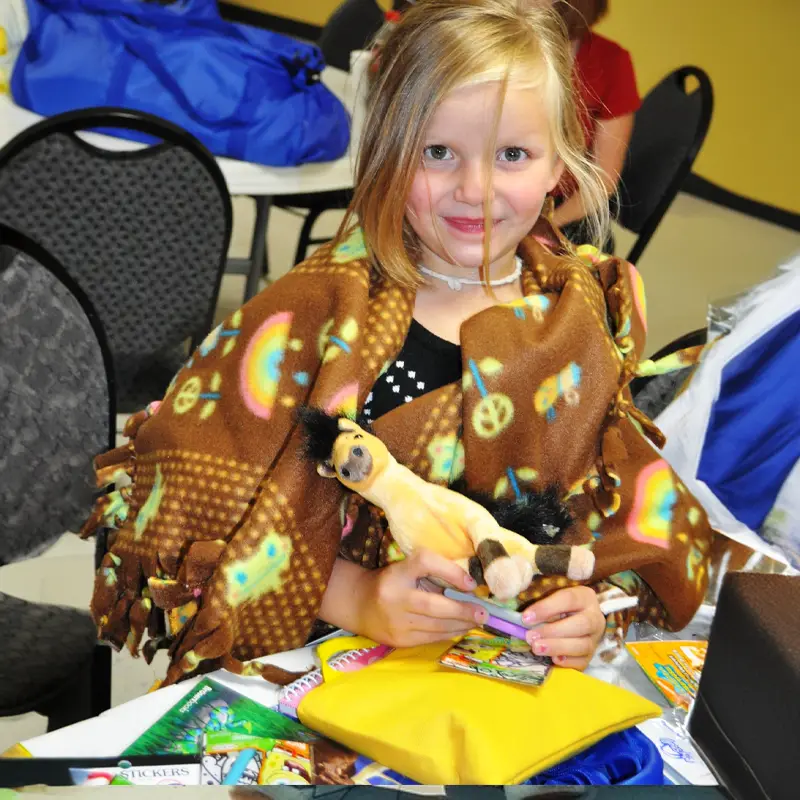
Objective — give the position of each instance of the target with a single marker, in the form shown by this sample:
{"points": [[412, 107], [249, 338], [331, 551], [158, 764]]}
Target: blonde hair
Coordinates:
{"points": [[440, 45]]}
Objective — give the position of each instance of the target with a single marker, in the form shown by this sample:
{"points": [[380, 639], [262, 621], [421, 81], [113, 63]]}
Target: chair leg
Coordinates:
{"points": [[87, 695], [305, 235], [101, 679]]}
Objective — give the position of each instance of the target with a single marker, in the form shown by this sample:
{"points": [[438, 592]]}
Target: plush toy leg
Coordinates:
{"points": [[506, 576], [577, 563]]}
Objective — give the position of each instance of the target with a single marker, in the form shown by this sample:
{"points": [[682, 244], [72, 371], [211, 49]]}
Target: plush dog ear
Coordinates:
{"points": [[326, 470]]}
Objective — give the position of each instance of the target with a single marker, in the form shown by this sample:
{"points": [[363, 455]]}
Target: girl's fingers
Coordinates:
{"points": [[578, 647], [568, 628], [427, 564], [444, 628], [440, 607], [563, 601], [573, 663]]}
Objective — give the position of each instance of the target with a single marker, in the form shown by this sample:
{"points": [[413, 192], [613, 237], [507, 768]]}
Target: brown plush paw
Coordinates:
{"points": [[581, 564], [508, 576]]}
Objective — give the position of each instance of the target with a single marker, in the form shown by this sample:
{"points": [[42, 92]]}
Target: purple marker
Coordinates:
{"points": [[505, 628]]}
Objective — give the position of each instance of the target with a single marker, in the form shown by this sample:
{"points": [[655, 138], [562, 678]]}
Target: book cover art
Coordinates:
{"points": [[498, 657], [367, 772], [245, 743], [673, 666], [238, 759], [249, 760], [186, 774], [211, 708]]}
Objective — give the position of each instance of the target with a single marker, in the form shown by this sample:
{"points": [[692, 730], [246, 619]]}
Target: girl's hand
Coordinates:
{"points": [[573, 626], [395, 611]]}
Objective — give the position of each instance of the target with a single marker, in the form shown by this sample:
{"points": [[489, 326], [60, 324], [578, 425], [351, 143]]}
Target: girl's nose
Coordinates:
{"points": [[470, 188]]}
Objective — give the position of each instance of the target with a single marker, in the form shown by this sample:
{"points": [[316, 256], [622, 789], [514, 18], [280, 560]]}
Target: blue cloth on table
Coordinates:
{"points": [[243, 92], [753, 437], [624, 758]]}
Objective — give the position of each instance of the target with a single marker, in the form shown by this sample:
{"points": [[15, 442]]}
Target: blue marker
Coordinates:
{"points": [[239, 766]]}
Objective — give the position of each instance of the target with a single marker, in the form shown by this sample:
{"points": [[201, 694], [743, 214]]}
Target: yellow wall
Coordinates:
{"points": [[315, 12], [749, 51], [746, 47]]}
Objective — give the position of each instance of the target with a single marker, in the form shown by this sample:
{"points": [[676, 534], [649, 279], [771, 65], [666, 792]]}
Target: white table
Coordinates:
{"points": [[243, 178], [109, 734]]}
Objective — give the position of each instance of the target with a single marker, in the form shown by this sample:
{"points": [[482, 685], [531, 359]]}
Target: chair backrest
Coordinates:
{"points": [[56, 399], [668, 131], [351, 27], [144, 232]]}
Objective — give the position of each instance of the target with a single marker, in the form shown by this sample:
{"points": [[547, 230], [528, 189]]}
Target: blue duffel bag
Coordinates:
{"points": [[244, 92]]}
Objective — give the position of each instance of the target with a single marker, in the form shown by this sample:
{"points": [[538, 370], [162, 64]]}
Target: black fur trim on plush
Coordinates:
{"points": [[529, 516], [321, 431]]}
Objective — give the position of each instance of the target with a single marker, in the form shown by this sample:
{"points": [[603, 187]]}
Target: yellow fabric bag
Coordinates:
{"points": [[440, 726]]}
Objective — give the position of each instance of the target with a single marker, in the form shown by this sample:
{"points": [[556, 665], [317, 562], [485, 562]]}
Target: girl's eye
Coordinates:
{"points": [[513, 154], [438, 152]]}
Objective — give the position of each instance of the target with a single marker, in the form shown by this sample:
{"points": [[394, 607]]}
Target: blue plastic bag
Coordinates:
{"points": [[244, 92], [627, 758]]}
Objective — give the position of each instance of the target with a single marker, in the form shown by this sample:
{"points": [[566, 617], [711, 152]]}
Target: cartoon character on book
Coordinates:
{"points": [[479, 652], [216, 767], [515, 660], [502, 544], [191, 735], [221, 718]]}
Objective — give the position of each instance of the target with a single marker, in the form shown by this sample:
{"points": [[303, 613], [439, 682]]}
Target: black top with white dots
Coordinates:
{"points": [[425, 363]]}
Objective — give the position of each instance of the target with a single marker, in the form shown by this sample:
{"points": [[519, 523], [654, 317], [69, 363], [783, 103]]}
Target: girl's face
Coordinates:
{"points": [[445, 207]]}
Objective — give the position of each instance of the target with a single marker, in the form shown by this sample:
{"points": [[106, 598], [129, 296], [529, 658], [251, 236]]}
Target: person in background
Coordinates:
{"points": [[606, 86]]}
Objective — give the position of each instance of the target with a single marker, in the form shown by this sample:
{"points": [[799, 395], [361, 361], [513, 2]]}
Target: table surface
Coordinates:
{"points": [[243, 178], [109, 734]]}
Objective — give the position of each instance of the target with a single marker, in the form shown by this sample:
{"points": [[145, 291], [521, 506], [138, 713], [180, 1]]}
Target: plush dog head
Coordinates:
{"points": [[343, 449]]}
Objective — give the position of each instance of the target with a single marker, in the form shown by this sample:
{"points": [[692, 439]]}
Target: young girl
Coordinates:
{"points": [[454, 316]]}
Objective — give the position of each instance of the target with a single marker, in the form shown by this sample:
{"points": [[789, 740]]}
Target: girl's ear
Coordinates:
{"points": [[326, 470], [558, 171]]}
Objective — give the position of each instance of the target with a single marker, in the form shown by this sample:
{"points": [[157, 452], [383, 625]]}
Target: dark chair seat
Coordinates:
{"points": [[57, 401], [44, 646]]}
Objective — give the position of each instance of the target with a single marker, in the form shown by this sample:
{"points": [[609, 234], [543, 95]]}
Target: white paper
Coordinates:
{"points": [[682, 763]]}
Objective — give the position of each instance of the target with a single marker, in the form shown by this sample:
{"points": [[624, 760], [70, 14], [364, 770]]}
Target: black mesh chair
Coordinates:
{"points": [[57, 410], [351, 27], [144, 233], [668, 132]]}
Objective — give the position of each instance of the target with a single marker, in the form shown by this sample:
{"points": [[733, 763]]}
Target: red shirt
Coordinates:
{"points": [[605, 82], [605, 85]]}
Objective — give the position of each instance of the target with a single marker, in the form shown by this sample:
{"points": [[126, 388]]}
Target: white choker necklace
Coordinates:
{"points": [[457, 284]]}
